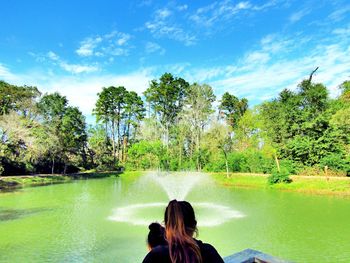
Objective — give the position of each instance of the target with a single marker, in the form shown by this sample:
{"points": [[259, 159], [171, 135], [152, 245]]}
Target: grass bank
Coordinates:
{"points": [[13, 182], [304, 184]]}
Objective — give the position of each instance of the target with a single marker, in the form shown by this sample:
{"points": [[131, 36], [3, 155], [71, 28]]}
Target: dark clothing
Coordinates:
{"points": [[160, 254]]}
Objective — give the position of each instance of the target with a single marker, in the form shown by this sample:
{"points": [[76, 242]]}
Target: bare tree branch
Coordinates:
{"points": [[312, 73]]}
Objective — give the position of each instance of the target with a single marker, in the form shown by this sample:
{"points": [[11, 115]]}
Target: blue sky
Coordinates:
{"points": [[252, 49]]}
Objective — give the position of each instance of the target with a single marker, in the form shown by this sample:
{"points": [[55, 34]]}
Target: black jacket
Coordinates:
{"points": [[160, 254]]}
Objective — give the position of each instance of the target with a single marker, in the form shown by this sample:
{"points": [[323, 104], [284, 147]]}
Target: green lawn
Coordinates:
{"points": [[315, 185]]}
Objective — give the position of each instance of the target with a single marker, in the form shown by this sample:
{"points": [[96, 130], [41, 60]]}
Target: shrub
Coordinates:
{"points": [[253, 161], [336, 162], [292, 167], [279, 177]]}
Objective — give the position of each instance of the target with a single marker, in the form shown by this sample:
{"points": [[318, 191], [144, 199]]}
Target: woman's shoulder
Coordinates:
{"points": [[158, 254], [209, 253]]}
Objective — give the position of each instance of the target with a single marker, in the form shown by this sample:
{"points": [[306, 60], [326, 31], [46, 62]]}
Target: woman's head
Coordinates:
{"points": [[181, 213], [156, 235], [180, 225]]}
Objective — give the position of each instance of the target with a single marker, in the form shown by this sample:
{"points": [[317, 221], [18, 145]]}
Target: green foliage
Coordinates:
{"points": [[45, 136], [232, 108], [298, 130], [16, 98], [121, 112], [277, 177], [166, 97], [336, 162], [146, 155], [245, 162]]}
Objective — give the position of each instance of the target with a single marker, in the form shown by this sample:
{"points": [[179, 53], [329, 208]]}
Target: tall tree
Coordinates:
{"points": [[17, 98], [166, 99], [109, 110], [198, 107], [67, 124], [134, 112], [74, 135], [232, 108]]}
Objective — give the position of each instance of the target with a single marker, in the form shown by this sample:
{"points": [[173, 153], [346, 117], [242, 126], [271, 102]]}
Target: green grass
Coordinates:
{"points": [[319, 185], [240, 180]]}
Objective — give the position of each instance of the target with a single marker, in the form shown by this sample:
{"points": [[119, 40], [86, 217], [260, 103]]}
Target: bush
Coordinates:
{"points": [[147, 155], [292, 167], [279, 177], [336, 162], [217, 165], [246, 162]]}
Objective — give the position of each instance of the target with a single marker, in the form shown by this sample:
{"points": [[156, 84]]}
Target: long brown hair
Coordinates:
{"points": [[180, 225]]}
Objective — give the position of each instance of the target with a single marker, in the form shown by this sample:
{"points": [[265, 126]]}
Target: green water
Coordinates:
{"points": [[72, 222]]}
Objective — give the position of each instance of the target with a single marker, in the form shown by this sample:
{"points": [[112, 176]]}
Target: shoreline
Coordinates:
{"points": [[319, 185], [10, 183]]}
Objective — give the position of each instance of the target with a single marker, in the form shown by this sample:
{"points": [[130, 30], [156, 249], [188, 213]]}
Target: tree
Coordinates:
{"points": [[218, 140], [247, 134], [197, 109], [74, 135], [166, 99], [232, 108], [134, 112], [67, 124], [17, 98], [345, 88], [110, 110]]}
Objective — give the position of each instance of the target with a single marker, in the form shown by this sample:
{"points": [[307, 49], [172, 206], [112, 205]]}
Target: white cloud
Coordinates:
{"points": [[182, 7], [114, 43], [87, 46], [123, 39], [295, 17], [262, 73], [52, 55], [152, 47], [80, 91], [77, 68], [70, 67], [5, 74], [257, 57], [223, 11], [286, 72], [162, 13], [342, 32], [163, 26], [339, 14]]}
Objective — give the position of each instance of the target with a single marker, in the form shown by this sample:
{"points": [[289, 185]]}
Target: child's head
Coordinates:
{"points": [[156, 235]]}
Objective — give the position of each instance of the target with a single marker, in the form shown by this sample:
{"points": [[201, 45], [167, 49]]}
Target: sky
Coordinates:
{"points": [[252, 49]]}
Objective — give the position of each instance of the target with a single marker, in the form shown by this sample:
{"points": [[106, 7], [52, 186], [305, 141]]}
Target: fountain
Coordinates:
{"points": [[176, 186]]}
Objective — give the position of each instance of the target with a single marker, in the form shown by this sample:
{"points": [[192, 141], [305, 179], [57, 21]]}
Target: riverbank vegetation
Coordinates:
{"points": [[319, 185], [14, 182], [177, 125]]}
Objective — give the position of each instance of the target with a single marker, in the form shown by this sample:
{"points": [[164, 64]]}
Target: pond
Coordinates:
{"points": [[105, 220]]}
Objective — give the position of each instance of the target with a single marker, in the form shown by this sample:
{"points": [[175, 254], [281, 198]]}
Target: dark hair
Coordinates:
{"points": [[180, 225], [156, 235]]}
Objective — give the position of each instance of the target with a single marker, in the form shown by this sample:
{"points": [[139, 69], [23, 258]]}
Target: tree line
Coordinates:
{"points": [[176, 126]]}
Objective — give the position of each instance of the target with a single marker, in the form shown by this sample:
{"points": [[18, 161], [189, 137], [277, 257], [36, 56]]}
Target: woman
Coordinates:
{"points": [[156, 236], [180, 226]]}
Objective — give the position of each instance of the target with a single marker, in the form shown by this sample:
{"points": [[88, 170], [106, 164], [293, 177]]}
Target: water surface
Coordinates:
{"points": [[84, 221]]}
